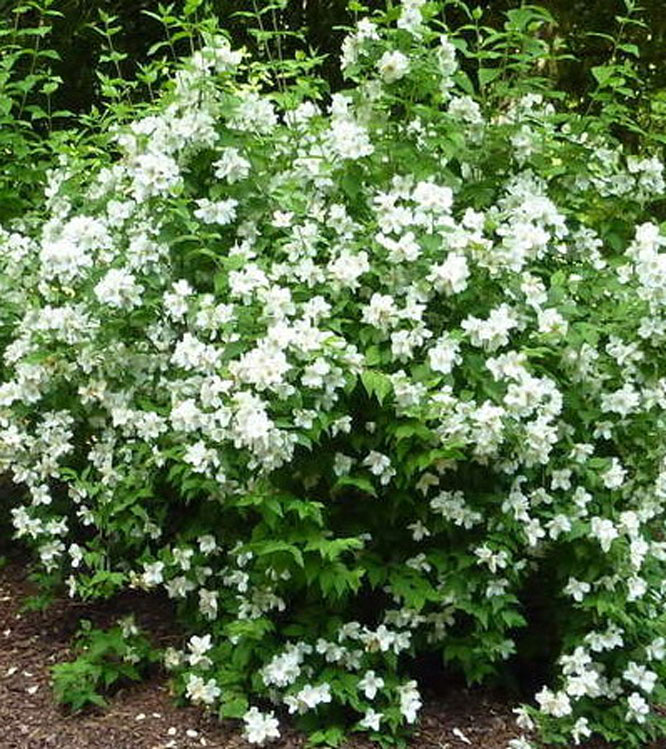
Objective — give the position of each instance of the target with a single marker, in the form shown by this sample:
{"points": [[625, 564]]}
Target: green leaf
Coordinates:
{"points": [[266, 548], [488, 75], [233, 705], [413, 429], [630, 49], [331, 549], [373, 356], [465, 82], [191, 6], [332, 736], [359, 482], [377, 384], [603, 74]]}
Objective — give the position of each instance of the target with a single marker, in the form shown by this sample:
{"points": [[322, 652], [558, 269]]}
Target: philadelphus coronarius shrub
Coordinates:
{"points": [[353, 383]]}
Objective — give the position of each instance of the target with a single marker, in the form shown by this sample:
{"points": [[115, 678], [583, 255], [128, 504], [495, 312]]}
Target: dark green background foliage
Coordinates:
{"points": [[60, 59], [80, 47]]}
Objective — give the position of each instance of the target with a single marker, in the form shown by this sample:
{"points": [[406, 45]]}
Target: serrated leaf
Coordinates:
{"points": [[376, 384]]}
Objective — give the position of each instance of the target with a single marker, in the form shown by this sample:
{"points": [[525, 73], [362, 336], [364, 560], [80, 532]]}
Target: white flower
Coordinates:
{"points": [[638, 708], [191, 353], [405, 249], [520, 743], [264, 367], [496, 588], [349, 140], [447, 59], [419, 530], [581, 730], [558, 525], [219, 54], [608, 640], [371, 720], [577, 589], [624, 401], [316, 374], [639, 676], [556, 704], [452, 275], [200, 691], [183, 558], [604, 531], [283, 669], [260, 727], [577, 662], [342, 464], [636, 588], [254, 114], [154, 174], [64, 259], [444, 355], [584, 683], [639, 549], [552, 322], [231, 166], [370, 684], [380, 465], [186, 416], [200, 457], [656, 650], [494, 560], [152, 574], [534, 531], [410, 701], [198, 647], [492, 333], [173, 658], [119, 289], [411, 19], [523, 719], [207, 544], [615, 476], [308, 698], [393, 66], [381, 312], [430, 196], [50, 552], [332, 652], [175, 301], [208, 603], [381, 639], [348, 267], [466, 109], [221, 212]]}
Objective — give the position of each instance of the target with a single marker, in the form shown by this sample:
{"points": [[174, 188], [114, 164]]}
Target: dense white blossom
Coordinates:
{"points": [[303, 357], [260, 727]]}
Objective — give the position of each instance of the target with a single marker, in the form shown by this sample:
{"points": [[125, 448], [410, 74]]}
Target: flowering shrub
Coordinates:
{"points": [[353, 384]]}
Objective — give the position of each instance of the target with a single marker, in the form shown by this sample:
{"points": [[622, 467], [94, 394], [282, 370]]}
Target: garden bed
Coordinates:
{"points": [[144, 716]]}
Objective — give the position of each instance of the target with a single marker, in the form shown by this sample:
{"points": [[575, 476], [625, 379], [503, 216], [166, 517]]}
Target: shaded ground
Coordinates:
{"points": [[144, 716]]}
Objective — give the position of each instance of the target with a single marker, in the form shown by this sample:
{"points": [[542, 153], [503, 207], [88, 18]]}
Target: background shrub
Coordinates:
{"points": [[580, 26]]}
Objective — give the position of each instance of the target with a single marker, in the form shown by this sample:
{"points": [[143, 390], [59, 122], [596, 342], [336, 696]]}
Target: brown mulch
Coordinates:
{"points": [[143, 716]]}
